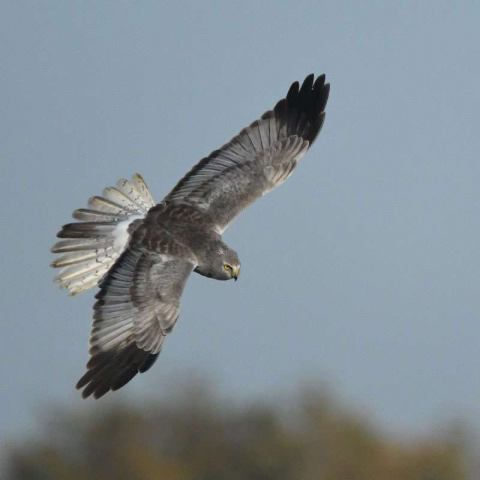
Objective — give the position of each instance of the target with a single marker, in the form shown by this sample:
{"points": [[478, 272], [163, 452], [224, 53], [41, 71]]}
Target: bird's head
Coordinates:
{"points": [[226, 265], [218, 261]]}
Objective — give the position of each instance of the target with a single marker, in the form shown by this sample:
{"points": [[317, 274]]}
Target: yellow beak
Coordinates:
{"points": [[236, 272]]}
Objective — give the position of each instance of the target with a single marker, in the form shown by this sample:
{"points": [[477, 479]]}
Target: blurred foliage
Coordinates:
{"points": [[201, 437]]}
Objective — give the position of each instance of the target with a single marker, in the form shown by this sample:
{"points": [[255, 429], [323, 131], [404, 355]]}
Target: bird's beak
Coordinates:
{"points": [[236, 272]]}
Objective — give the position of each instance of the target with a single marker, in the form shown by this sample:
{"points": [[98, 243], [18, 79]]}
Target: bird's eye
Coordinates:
{"points": [[227, 267]]}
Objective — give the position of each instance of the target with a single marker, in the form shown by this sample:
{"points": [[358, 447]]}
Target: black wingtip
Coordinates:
{"points": [[307, 84], [303, 108], [293, 90], [110, 371], [319, 82], [323, 98]]}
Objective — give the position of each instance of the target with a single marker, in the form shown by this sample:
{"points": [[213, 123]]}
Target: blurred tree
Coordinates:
{"points": [[201, 438]]}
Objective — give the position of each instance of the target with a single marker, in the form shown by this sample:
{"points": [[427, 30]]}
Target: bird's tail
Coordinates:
{"points": [[90, 246]]}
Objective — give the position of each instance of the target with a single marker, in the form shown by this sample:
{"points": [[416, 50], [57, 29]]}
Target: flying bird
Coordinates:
{"points": [[141, 254]]}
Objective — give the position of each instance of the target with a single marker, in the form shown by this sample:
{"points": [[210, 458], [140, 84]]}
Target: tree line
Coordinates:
{"points": [[200, 436]]}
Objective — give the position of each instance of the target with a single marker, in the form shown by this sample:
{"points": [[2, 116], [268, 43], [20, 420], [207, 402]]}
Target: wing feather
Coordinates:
{"points": [[230, 178], [137, 305]]}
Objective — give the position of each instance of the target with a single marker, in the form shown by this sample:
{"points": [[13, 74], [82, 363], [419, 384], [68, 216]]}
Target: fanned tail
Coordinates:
{"points": [[90, 246]]}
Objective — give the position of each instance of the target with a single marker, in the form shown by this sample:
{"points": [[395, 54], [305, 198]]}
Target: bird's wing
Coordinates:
{"points": [[137, 305], [260, 158]]}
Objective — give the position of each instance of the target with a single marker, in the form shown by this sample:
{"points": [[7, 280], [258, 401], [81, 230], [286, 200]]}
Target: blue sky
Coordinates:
{"points": [[362, 270]]}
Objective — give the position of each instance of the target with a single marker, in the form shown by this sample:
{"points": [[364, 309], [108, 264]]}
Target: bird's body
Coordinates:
{"points": [[185, 232], [141, 254]]}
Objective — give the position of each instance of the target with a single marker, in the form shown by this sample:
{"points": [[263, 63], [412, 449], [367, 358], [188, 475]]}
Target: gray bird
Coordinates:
{"points": [[141, 254]]}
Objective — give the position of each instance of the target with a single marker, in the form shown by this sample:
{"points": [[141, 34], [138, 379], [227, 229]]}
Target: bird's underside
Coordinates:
{"points": [[141, 254]]}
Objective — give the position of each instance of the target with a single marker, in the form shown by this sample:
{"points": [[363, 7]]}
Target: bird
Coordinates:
{"points": [[140, 254]]}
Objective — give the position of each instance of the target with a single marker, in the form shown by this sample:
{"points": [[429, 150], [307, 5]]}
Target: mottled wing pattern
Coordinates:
{"points": [[138, 304], [260, 158]]}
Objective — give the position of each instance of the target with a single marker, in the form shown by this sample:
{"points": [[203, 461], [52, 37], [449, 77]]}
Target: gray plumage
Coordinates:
{"points": [[141, 254]]}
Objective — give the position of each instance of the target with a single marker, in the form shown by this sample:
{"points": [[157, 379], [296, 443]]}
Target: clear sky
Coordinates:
{"points": [[362, 270]]}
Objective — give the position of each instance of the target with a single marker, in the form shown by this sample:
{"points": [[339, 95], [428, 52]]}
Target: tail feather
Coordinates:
{"points": [[100, 228], [82, 285], [103, 205], [116, 196], [90, 246], [73, 258], [78, 244], [75, 263], [84, 269], [86, 215], [139, 190]]}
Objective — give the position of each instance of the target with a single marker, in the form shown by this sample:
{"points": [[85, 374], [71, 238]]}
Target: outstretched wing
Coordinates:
{"points": [[260, 158], [138, 304]]}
